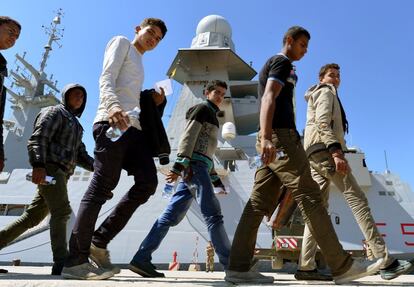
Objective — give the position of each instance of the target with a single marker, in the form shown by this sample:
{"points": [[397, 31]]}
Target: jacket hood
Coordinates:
{"points": [[65, 91], [314, 88]]}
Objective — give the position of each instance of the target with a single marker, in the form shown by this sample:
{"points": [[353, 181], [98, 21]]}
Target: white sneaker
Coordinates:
{"points": [[86, 271], [102, 259], [359, 268], [247, 277]]}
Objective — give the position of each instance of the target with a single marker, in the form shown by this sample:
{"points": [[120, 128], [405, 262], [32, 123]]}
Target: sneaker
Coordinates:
{"points": [[145, 269], [3, 270], [86, 271], [312, 275], [359, 268], [397, 268], [254, 265], [247, 277], [57, 268], [102, 259]]}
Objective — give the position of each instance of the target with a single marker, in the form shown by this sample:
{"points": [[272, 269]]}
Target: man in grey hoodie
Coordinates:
{"points": [[324, 143], [55, 148]]}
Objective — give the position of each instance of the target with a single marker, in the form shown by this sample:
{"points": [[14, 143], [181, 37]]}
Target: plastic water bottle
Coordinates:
{"points": [[220, 190], [168, 190], [114, 133], [255, 161], [48, 179], [191, 187]]}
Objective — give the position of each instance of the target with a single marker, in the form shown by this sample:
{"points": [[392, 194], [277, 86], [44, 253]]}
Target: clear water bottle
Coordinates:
{"points": [[220, 190], [255, 161], [191, 187], [168, 190], [48, 179], [114, 133]]}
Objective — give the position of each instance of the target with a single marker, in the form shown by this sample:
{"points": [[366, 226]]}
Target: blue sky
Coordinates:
{"points": [[371, 40]]}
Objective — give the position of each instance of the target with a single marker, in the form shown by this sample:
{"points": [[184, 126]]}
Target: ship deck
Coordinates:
{"points": [[39, 277]]}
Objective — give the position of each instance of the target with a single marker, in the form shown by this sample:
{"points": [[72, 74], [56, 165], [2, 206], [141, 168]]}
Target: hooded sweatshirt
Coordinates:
{"points": [[57, 137], [324, 126]]}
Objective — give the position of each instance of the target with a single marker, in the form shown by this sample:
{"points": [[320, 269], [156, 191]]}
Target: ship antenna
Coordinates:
{"points": [[55, 34], [386, 163]]}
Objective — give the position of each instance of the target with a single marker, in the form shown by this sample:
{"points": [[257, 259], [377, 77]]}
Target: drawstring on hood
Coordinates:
{"points": [[65, 91]]}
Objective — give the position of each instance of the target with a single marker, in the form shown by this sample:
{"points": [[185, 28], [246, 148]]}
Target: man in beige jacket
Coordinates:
{"points": [[325, 145]]}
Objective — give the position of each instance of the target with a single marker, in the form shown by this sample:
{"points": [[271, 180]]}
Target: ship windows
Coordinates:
{"points": [[388, 182], [230, 165], [77, 176], [2, 209], [12, 209], [384, 193]]}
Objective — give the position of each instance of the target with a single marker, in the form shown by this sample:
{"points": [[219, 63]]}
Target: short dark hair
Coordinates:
{"points": [[154, 22], [6, 19], [295, 32], [213, 84], [325, 68]]}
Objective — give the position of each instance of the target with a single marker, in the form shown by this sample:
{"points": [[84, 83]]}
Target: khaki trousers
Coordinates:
{"points": [[294, 173], [323, 172], [51, 199]]}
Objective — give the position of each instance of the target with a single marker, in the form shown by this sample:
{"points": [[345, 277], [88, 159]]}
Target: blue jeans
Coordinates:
{"points": [[178, 207]]}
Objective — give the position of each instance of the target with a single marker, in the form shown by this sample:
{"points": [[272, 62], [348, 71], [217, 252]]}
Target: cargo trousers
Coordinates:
{"points": [[51, 199], [292, 171], [323, 172]]}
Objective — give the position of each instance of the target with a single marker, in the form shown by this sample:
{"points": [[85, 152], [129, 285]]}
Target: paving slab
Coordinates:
{"points": [[29, 276]]}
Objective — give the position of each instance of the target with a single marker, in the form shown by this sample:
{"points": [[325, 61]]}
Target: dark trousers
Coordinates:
{"points": [[132, 153], [51, 199]]}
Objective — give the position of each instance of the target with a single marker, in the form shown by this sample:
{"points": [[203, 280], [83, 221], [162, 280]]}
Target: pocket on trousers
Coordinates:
{"points": [[102, 142], [324, 163]]}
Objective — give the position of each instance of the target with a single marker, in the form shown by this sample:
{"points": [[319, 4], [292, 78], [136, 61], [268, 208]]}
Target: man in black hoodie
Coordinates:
{"points": [[55, 148]]}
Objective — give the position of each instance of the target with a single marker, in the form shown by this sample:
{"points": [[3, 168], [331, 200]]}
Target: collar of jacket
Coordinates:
{"points": [[212, 106]]}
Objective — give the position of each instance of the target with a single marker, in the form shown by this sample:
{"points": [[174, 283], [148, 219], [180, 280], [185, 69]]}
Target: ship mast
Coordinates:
{"points": [[54, 36]]}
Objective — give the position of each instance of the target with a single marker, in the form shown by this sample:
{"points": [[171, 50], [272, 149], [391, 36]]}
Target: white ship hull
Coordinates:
{"points": [[393, 220]]}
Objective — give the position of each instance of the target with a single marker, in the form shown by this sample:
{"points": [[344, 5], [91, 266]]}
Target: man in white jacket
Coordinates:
{"points": [[120, 86], [324, 143]]}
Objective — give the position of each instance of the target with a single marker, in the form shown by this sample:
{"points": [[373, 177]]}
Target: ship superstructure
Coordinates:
{"points": [[212, 55]]}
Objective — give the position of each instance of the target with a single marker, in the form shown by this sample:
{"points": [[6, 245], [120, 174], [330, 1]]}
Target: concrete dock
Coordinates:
{"points": [[28, 276]]}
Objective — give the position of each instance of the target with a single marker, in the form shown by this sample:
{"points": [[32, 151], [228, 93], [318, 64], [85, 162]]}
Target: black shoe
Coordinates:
{"points": [[395, 269], [57, 268], [145, 269], [312, 275], [3, 270]]}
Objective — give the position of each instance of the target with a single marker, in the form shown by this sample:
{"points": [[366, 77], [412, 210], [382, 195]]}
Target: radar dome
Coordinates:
{"points": [[213, 31], [214, 23]]}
